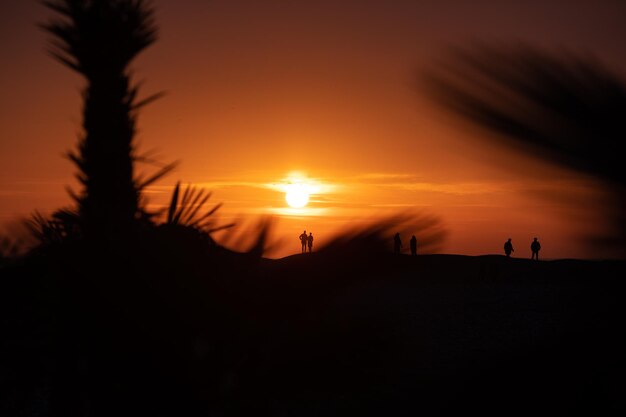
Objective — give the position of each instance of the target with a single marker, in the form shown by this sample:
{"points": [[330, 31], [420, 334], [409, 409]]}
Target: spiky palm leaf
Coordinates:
{"points": [[186, 210]]}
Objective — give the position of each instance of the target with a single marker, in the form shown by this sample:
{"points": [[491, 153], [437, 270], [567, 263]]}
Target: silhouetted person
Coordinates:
{"points": [[303, 241], [535, 247], [310, 241], [397, 243], [413, 245], [508, 247]]}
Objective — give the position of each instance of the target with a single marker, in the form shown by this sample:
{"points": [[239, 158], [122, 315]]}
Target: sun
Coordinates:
{"points": [[297, 195]]}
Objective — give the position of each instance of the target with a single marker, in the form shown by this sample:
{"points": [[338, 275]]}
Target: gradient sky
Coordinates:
{"points": [[257, 90]]}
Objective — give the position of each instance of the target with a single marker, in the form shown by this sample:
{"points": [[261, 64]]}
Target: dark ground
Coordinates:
{"points": [[319, 335]]}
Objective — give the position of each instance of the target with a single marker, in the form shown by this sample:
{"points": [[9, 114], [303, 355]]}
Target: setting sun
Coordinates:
{"points": [[297, 195]]}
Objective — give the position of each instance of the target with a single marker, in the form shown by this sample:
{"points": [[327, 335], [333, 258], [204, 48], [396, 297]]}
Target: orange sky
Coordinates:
{"points": [[257, 90]]}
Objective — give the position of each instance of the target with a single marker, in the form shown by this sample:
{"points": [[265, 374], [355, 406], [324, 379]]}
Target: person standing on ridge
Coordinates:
{"points": [[397, 243], [535, 247], [303, 241], [413, 245], [310, 241], [508, 248]]}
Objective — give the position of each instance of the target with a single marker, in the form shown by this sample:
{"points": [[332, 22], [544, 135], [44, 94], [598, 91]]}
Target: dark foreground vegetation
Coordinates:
{"points": [[197, 331]]}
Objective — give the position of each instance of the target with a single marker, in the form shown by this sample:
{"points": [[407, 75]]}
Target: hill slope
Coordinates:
{"points": [[328, 333]]}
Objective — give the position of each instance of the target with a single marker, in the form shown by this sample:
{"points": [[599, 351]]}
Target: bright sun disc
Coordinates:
{"points": [[297, 195]]}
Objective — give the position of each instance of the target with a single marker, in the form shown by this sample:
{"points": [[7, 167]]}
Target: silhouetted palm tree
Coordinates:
{"points": [[99, 39]]}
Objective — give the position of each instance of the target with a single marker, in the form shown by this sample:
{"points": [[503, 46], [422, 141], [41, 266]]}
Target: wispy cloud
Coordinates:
{"points": [[11, 193], [373, 190]]}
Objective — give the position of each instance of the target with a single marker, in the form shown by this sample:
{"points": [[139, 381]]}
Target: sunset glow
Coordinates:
{"points": [[299, 88], [305, 207]]}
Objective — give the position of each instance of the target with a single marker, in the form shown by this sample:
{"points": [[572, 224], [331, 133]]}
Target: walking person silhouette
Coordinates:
{"points": [[310, 241], [303, 241], [508, 248], [397, 243], [413, 245], [535, 247]]}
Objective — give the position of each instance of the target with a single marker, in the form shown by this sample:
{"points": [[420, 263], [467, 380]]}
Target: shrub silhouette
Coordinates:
{"points": [[63, 225], [9, 249]]}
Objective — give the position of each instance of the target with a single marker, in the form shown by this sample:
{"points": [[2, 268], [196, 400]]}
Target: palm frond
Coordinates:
{"points": [[173, 204], [148, 100], [96, 35], [163, 171], [62, 225], [186, 210]]}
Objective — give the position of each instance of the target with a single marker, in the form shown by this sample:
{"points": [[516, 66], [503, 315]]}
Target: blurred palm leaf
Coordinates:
{"points": [[562, 108], [566, 109]]}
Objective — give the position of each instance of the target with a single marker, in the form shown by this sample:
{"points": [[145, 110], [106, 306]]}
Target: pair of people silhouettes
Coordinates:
{"points": [[397, 244], [306, 241], [535, 247]]}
